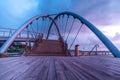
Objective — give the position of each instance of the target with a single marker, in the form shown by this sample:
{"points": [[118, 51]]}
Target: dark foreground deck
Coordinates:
{"points": [[60, 68]]}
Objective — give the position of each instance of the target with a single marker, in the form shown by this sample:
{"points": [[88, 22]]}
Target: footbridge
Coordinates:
{"points": [[49, 43], [5, 33], [64, 27]]}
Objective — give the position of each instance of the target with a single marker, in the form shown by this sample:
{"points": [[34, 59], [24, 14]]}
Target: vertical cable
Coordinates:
{"points": [[32, 30], [66, 25], [70, 30], [42, 27], [76, 36], [37, 26]]}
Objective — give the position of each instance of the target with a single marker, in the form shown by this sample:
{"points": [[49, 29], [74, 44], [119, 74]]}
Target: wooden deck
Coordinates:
{"points": [[60, 68]]}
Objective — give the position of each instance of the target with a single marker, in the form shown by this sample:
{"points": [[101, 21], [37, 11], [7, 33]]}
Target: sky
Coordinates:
{"points": [[104, 14]]}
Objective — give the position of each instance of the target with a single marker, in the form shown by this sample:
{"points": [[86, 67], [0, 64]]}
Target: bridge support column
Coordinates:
{"points": [[66, 49], [77, 53], [27, 47]]}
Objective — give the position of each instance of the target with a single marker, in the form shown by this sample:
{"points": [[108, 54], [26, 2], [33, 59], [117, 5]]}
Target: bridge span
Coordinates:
{"points": [[49, 56], [58, 27]]}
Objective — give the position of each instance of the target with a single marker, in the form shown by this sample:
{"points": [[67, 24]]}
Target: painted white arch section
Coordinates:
{"points": [[20, 29]]}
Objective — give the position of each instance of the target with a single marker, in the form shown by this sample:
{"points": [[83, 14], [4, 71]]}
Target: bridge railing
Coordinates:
{"points": [[7, 32], [93, 53]]}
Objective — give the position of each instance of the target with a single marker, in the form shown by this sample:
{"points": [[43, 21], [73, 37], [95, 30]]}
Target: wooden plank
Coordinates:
{"points": [[52, 71], [44, 71], [76, 72], [95, 69], [15, 69], [59, 71], [60, 68], [26, 75]]}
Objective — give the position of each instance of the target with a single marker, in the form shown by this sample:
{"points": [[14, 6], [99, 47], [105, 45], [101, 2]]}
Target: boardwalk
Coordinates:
{"points": [[60, 68]]}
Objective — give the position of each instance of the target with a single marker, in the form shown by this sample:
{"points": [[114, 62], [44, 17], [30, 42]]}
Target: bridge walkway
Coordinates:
{"points": [[47, 48], [60, 68]]}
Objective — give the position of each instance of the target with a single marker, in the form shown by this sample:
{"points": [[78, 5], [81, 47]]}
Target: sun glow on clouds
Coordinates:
{"points": [[110, 30], [113, 33]]}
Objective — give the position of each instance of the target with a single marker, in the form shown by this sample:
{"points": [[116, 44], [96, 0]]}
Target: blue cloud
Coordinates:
{"points": [[13, 13]]}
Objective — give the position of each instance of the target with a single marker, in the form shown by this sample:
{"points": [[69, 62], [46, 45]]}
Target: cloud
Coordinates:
{"points": [[117, 36], [99, 12], [54, 6], [19, 8], [110, 30], [16, 12], [116, 40], [102, 13]]}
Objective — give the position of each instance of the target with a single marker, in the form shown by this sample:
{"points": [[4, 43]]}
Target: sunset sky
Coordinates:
{"points": [[104, 14]]}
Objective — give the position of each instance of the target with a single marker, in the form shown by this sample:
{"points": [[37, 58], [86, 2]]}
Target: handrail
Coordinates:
{"points": [[93, 48]]}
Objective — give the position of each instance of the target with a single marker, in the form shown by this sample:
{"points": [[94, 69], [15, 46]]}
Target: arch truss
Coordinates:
{"points": [[60, 26]]}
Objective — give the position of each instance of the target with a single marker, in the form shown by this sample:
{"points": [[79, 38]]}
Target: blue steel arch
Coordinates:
{"points": [[97, 32], [20, 29]]}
